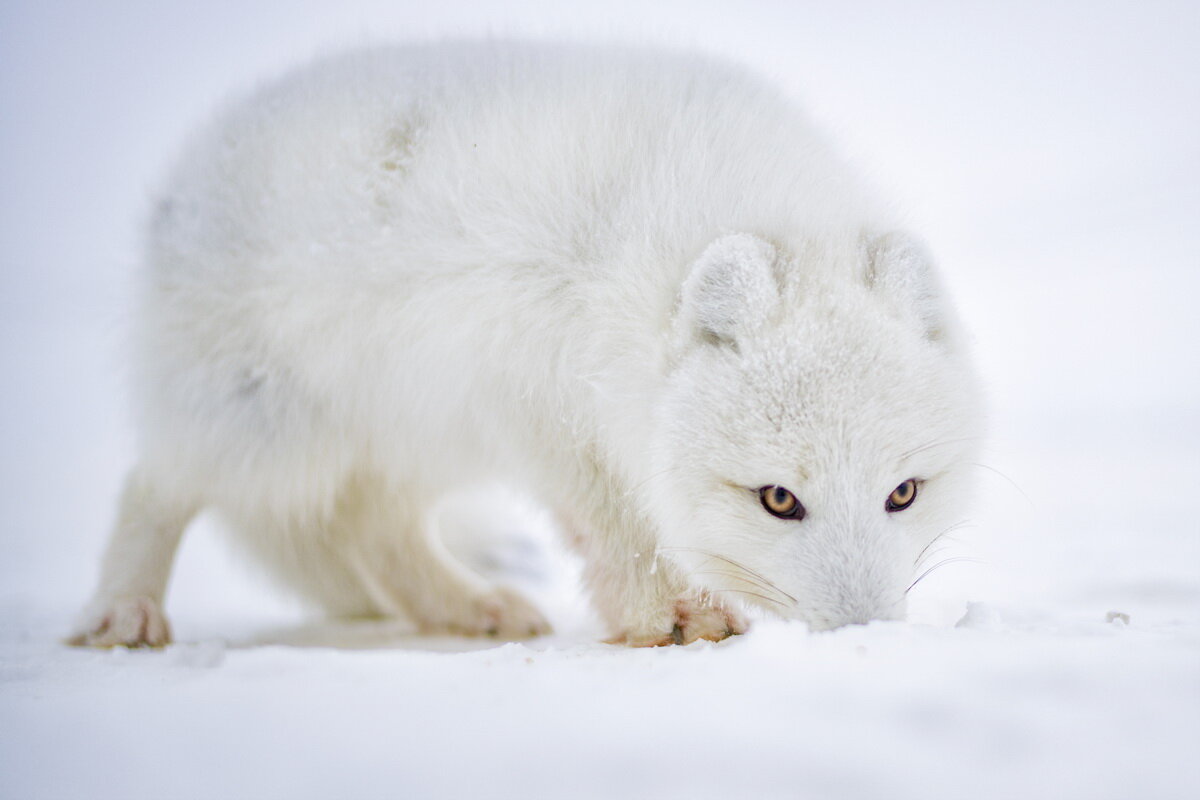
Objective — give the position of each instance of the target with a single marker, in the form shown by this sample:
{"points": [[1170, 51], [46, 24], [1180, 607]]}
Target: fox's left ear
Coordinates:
{"points": [[899, 265]]}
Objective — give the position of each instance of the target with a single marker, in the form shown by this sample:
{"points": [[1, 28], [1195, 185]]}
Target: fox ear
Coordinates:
{"points": [[730, 290], [900, 266]]}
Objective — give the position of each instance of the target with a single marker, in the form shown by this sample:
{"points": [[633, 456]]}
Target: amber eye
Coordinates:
{"points": [[902, 496], [780, 502]]}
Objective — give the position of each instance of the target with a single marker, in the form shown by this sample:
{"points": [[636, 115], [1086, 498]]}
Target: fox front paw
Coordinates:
{"points": [[693, 619], [125, 622]]}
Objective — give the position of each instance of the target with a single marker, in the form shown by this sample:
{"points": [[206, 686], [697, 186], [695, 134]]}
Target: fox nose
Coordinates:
{"points": [[827, 624], [860, 613]]}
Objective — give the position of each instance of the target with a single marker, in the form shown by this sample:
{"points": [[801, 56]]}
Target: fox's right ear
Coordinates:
{"points": [[730, 290]]}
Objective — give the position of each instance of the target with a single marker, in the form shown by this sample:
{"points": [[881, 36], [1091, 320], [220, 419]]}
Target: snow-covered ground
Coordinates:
{"points": [[1050, 152]]}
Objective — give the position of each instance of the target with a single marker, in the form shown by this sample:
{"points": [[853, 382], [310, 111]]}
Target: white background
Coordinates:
{"points": [[1050, 154]]}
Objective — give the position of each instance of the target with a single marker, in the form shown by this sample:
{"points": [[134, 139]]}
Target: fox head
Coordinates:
{"points": [[818, 426]]}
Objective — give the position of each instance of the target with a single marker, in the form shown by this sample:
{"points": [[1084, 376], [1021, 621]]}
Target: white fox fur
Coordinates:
{"points": [[635, 286]]}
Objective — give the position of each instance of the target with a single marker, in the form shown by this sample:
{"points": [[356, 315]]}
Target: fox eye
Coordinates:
{"points": [[780, 502], [902, 496]]}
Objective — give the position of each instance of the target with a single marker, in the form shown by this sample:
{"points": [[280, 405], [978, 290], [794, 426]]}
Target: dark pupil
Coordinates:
{"points": [[780, 498]]}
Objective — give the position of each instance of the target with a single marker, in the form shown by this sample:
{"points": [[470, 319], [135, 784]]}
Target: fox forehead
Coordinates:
{"points": [[786, 415]]}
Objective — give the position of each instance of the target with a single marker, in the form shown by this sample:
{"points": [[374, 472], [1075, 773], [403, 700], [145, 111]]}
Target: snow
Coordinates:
{"points": [[1048, 153], [1062, 710]]}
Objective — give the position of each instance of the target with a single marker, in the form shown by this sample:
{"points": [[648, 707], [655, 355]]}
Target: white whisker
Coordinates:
{"points": [[767, 583]]}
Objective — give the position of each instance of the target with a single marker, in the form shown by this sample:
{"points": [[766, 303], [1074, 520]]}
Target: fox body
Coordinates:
{"points": [[635, 286]]}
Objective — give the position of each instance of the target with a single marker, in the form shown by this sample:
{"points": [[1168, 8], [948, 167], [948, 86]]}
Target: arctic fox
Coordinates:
{"points": [[635, 286]]}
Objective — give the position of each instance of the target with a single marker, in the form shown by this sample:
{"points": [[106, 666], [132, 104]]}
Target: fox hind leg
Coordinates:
{"points": [[404, 567], [126, 608]]}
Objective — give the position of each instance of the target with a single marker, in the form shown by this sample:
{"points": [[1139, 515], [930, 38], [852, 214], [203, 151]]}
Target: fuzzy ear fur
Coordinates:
{"points": [[731, 289], [899, 265]]}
